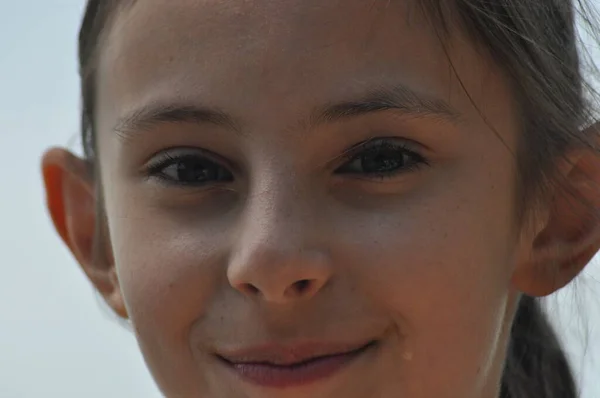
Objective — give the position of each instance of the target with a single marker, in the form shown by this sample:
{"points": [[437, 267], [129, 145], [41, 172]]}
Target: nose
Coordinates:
{"points": [[274, 260]]}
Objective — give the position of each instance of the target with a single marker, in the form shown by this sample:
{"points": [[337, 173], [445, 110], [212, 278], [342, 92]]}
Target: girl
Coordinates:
{"points": [[345, 198]]}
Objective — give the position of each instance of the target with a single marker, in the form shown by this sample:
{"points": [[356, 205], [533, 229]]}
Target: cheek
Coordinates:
{"points": [[170, 270], [163, 263], [441, 266], [170, 273]]}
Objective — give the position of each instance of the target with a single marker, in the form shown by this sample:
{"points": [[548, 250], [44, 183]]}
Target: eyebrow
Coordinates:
{"points": [[152, 115], [400, 98]]}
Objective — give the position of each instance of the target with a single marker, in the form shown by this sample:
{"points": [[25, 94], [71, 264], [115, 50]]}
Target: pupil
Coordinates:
{"points": [[195, 171], [381, 161]]}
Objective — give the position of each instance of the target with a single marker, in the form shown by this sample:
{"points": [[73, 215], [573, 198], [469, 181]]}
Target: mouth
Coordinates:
{"points": [[285, 367]]}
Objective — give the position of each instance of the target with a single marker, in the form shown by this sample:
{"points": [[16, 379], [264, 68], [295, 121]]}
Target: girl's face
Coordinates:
{"points": [[298, 179]]}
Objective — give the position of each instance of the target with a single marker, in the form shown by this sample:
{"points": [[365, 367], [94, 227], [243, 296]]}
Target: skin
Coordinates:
{"points": [[429, 262]]}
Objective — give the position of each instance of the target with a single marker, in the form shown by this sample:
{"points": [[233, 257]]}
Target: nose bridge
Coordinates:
{"points": [[280, 210], [276, 256]]}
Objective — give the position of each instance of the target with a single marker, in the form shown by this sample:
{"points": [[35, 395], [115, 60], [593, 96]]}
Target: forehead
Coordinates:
{"points": [[261, 54]]}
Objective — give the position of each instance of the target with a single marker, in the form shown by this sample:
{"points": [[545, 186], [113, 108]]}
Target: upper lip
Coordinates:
{"points": [[290, 354]]}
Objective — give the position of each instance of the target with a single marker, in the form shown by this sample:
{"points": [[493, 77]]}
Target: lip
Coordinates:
{"points": [[278, 366]]}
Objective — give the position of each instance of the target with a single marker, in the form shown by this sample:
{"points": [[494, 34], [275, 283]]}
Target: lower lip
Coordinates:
{"points": [[274, 376]]}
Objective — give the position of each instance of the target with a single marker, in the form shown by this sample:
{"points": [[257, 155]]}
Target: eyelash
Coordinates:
{"points": [[354, 159], [377, 146], [156, 168]]}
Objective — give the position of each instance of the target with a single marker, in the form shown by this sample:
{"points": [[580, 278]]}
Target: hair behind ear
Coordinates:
{"points": [[536, 364]]}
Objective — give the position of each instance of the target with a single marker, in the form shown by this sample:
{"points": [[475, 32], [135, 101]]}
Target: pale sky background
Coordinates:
{"points": [[55, 339]]}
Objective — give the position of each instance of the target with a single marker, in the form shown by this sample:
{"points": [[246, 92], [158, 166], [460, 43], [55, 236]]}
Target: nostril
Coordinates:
{"points": [[250, 289], [302, 286]]}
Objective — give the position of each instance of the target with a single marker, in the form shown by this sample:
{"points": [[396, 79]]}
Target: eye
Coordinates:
{"points": [[381, 158], [194, 169]]}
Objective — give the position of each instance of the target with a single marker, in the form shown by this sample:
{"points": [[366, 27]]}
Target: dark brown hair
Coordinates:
{"points": [[536, 43]]}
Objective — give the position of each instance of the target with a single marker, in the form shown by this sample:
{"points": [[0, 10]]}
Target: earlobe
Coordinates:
{"points": [[71, 201], [570, 237]]}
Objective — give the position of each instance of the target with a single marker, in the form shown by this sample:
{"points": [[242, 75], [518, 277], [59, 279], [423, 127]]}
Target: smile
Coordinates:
{"points": [[278, 367]]}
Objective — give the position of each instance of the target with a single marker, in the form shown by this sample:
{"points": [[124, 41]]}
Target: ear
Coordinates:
{"points": [[570, 237], [72, 203]]}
